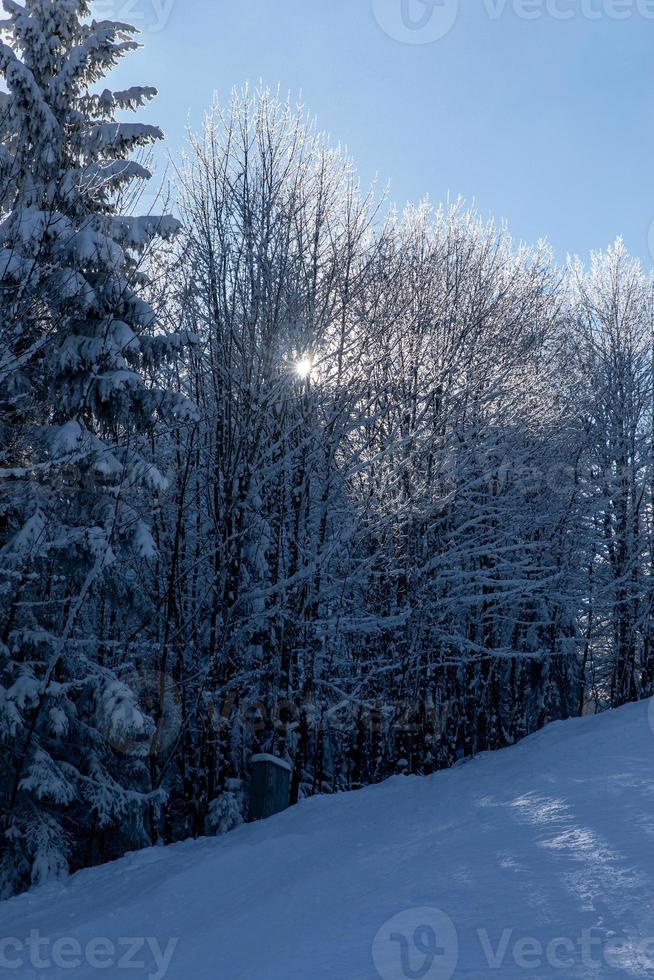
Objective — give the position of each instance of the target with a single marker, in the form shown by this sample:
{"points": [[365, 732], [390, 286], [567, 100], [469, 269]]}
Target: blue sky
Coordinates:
{"points": [[540, 110]]}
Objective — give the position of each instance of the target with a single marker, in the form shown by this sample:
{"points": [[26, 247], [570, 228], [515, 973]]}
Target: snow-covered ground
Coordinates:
{"points": [[534, 862]]}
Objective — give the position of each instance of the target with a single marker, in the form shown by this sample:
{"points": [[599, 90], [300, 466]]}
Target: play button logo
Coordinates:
{"points": [[416, 21], [418, 944]]}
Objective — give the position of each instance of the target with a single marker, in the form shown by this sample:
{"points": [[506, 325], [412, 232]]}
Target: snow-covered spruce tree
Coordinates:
{"points": [[75, 412]]}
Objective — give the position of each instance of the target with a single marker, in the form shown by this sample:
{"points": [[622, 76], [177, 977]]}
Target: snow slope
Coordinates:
{"points": [[501, 857]]}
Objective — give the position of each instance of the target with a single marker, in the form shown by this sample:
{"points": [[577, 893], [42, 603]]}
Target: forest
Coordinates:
{"points": [[285, 469]]}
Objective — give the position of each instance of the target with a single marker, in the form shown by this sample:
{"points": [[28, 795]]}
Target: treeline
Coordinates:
{"points": [[414, 520], [387, 481]]}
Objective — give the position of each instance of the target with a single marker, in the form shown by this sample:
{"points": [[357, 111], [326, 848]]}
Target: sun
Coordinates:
{"points": [[304, 367]]}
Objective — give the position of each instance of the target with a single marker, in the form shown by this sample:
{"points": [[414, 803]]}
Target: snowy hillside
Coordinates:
{"points": [[540, 859]]}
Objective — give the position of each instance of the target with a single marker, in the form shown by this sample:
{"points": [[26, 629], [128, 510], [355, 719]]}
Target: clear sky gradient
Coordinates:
{"points": [[540, 110]]}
